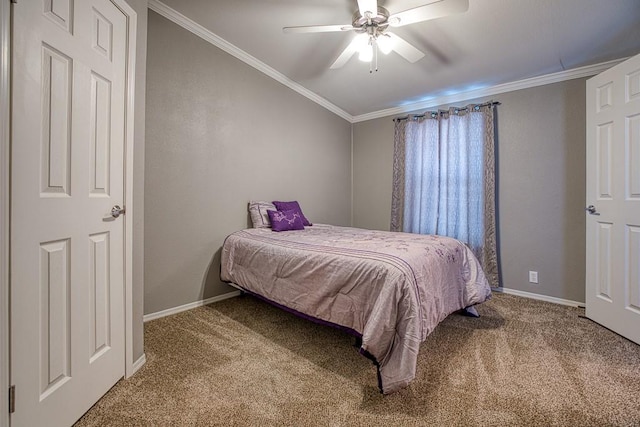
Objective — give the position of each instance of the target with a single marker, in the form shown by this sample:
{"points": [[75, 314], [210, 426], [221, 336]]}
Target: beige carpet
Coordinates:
{"points": [[243, 362]]}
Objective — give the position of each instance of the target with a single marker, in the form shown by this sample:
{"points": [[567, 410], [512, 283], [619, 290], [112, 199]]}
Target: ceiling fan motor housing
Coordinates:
{"points": [[371, 25]]}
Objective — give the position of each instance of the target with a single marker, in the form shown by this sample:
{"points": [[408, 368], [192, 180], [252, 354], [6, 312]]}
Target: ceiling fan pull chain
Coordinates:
{"points": [[376, 54]]}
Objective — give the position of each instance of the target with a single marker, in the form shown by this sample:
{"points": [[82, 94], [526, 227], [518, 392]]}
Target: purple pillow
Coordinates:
{"points": [[285, 220], [292, 206]]}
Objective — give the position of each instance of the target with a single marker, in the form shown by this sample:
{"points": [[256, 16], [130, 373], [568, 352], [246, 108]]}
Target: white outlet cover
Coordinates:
{"points": [[533, 277]]}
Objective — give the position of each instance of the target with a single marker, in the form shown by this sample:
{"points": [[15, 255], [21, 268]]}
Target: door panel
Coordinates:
{"points": [[613, 187], [100, 135], [67, 252], [56, 123], [55, 316], [60, 12], [632, 282], [603, 251], [100, 300], [633, 157], [604, 153]]}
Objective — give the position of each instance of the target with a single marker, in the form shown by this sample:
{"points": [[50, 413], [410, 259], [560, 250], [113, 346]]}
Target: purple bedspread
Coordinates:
{"points": [[392, 288]]}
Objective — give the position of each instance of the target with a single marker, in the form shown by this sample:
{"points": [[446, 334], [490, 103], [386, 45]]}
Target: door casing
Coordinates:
{"points": [[5, 102]]}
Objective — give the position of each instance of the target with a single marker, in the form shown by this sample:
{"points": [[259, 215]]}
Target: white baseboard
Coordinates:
{"points": [[540, 297], [191, 305], [138, 364]]}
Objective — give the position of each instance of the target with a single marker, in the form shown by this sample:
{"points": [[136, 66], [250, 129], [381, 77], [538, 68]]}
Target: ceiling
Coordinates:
{"points": [[493, 43]]}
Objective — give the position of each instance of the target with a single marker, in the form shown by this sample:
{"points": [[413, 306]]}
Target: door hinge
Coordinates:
{"points": [[14, 1], [12, 399]]}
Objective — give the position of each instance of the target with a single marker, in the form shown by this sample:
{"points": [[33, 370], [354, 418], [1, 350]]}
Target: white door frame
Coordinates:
{"points": [[5, 105], [5, 163], [132, 26]]}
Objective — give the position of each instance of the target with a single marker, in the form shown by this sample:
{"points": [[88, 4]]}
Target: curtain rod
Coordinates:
{"points": [[433, 113]]}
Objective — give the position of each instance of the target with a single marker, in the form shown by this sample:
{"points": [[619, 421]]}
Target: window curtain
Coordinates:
{"points": [[444, 179]]}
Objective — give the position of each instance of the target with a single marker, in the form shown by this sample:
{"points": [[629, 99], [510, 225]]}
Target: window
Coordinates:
{"points": [[444, 178]]}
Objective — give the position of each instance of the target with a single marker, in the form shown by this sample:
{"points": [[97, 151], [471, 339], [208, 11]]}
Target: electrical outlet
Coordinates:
{"points": [[533, 277]]}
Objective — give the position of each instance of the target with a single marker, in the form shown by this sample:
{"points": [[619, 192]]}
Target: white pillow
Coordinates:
{"points": [[258, 211]]}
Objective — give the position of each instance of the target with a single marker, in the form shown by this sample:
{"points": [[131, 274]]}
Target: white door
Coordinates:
{"points": [[67, 251], [613, 199]]}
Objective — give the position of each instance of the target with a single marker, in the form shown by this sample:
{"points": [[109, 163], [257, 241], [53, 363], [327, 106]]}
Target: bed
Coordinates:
{"points": [[388, 289]]}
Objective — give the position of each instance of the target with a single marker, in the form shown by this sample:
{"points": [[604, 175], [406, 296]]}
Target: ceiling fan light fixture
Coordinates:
{"points": [[366, 53], [385, 43]]}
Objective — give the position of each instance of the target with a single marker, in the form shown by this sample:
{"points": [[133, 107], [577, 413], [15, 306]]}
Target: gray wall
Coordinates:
{"points": [[220, 133], [140, 6], [541, 190]]}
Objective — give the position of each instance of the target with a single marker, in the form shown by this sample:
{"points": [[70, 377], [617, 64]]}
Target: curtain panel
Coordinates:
{"points": [[444, 179]]}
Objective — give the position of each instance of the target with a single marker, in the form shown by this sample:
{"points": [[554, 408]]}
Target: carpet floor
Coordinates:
{"points": [[242, 362]]}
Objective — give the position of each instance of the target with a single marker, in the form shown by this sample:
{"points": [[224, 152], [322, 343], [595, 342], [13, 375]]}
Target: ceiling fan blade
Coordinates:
{"points": [[404, 48], [347, 53], [318, 29], [435, 9], [365, 6]]}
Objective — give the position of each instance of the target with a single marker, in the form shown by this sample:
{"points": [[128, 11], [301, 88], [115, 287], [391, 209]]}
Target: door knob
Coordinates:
{"points": [[592, 210], [116, 211]]}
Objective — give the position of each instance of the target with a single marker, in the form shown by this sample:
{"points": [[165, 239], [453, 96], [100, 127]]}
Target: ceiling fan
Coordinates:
{"points": [[372, 23]]}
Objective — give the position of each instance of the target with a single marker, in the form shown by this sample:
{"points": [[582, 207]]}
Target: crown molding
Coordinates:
{"points": [[575, 73], [197, 29], [200, 31]]}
